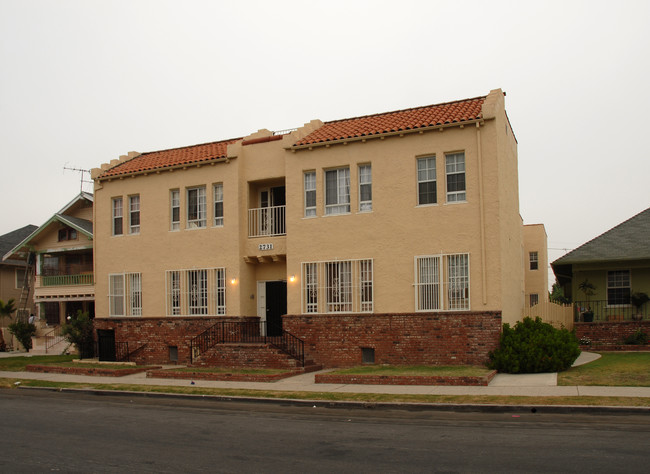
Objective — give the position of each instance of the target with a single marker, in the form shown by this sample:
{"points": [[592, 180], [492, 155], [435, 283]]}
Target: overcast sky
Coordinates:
{"points": [[82, 82]]}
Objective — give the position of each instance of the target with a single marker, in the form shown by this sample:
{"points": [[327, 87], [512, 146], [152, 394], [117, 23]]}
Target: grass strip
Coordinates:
{"points": [[622, 369], [354, 397], [18, 364]]}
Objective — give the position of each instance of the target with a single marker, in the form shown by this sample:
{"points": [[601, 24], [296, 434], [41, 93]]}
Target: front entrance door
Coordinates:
{"points": [[106, 345], [276, 306]]}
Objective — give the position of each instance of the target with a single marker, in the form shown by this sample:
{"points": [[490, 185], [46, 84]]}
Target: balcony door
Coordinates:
{"points": [[271, 220]]}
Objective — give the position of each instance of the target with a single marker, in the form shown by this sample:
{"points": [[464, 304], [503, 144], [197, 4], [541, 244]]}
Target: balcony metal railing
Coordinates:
{"points": [[266, 221], [604, 312], [67, 280]]}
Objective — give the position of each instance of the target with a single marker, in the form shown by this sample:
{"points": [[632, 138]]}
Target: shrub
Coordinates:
{"points": [[638, 338], [23, 332], [79, 331], [534, 346]]}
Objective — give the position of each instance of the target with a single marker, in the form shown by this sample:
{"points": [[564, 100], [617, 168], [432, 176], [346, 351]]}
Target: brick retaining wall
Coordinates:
{"points": [[610, 335], [453, 338]]}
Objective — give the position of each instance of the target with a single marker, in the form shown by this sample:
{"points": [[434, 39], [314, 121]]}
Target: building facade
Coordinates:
{"points": [[393, 238]]}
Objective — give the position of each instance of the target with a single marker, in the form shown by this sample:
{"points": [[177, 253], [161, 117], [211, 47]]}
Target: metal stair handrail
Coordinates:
{"points": [[54, 337], [247, 331]]}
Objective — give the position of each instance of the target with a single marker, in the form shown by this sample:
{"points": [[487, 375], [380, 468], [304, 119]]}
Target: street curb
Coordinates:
{"points": [[536, 409]]}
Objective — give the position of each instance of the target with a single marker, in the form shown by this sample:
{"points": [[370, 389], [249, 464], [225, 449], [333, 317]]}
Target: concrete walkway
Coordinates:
{"points": [[502, 384]]}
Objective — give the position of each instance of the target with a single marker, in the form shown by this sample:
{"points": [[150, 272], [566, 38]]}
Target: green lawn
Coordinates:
{"points": [[418, 370], [18, 364], [623, 369]]}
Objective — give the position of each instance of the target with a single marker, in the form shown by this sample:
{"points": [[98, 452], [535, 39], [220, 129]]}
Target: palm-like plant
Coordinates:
{"points": [[6, 310]]}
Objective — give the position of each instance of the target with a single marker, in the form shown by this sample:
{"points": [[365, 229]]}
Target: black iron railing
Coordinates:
{"points": [[601, 311], [248, 331]]}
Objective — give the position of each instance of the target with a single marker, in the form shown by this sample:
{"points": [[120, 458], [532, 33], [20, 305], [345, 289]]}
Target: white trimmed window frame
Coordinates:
{"points": [[134, 214], [117, 216], [125, 294], [337, 194], [442, 282], [618, 280], [196, 292], [196, 207], [175, 209], [365, 188], [217, 197], [337, 286], [533, 260], [309, 181], [456, 178], [427, 181]]}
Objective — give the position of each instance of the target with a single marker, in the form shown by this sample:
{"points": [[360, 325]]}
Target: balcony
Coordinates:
{"points": [[266, 221], [604, 312], [67, 280]]}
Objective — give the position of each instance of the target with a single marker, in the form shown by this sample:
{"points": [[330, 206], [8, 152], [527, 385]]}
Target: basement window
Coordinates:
{"points": [[173, 353], [367, 355]]}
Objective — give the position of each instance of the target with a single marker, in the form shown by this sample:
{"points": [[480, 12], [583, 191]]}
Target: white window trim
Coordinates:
{"points": [[115, 216], [531, 260], [310, 211], [342, 205], [201, 208], [419, 181], [178, 294], [130, 294], [134, 229], [367, 203], [607, 287], [217, 197], [448, 193], [174, 203]]}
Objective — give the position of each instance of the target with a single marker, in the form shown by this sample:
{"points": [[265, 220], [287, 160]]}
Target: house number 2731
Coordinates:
{"points": [[266, 246]]}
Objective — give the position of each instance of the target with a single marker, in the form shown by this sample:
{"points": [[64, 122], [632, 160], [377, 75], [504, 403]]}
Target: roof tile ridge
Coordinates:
{"points": [[378, 114], [216, 142]]}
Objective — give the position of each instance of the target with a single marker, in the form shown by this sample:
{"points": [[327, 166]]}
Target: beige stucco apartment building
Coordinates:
{"points": [[393, 238]]}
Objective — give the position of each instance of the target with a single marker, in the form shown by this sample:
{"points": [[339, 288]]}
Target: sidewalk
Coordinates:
{"points": [[502, 384]]}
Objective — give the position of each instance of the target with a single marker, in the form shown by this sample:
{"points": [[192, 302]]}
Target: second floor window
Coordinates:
{"points": [[117, 214], [534, 260], [310, 194], [337, 191], [175, 211], [427, 189], [456, 177], [365, 188], [134, 214], [218, 204], [196, 207]]}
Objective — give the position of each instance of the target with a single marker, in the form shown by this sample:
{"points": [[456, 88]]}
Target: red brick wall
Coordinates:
{"points": [[399, 339], [158, 334], [247, 355], [611, 334]]}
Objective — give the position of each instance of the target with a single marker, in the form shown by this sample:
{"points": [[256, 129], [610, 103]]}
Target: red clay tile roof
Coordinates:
{"points": [[400, 120], [174, 157]]}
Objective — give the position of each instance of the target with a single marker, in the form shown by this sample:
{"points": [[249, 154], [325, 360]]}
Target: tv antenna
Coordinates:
{"points": [[81, 176]]}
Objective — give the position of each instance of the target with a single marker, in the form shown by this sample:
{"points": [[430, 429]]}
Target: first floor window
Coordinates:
{"points": [[134, 214], [455, 167], [196, 292], [310, 194], [365, 188], [117, 215], [196, 207], [339, 286], [442, 282], [218, 204], [125, 294], [427, 189], [533, 299], [175, 211], [337, 191], [533, 259], [618, 287]]}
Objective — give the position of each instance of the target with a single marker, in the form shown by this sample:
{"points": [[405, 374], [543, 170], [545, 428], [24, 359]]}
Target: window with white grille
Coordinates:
{"points": [[618, 287], [196, 207], [196, 292], [365, 188], [134, 214], [218, 204], [175, 211], [117, 215], [534, 260], [455, 177], [337, 191], [427, 188], [125, 294], [310, 194], [442, 282], [339, 286]]}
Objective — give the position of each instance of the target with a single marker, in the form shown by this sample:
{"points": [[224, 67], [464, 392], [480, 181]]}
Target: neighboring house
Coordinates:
{"points": [[12, 274], [535, 264], [62, 251], [393, 238], [617, 264]]}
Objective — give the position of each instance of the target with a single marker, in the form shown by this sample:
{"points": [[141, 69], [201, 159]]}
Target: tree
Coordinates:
{"points": [[79, 331], [6, 309], [557, 294]]}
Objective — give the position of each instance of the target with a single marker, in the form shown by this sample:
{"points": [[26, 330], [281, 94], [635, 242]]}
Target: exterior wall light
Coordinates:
{"points": [[233, 281], [292, 278]]}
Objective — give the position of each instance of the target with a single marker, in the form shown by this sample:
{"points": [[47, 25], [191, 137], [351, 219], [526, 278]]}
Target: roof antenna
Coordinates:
{"points": [[81, 176]]}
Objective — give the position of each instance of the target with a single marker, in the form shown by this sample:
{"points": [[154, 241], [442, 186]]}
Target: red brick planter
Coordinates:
{"points": [[48, 369], [172, 374], [404, 379]]}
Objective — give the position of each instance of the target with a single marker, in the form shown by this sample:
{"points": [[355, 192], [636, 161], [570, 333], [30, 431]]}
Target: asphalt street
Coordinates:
{"points": [[50, 431]]}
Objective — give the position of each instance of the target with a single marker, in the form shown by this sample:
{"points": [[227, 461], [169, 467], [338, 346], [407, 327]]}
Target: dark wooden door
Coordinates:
{"points": [[276, 306], [106, 344]]}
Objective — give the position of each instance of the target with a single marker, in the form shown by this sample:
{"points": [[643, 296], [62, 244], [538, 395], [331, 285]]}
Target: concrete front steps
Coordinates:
{"points": [[251, 355]]}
